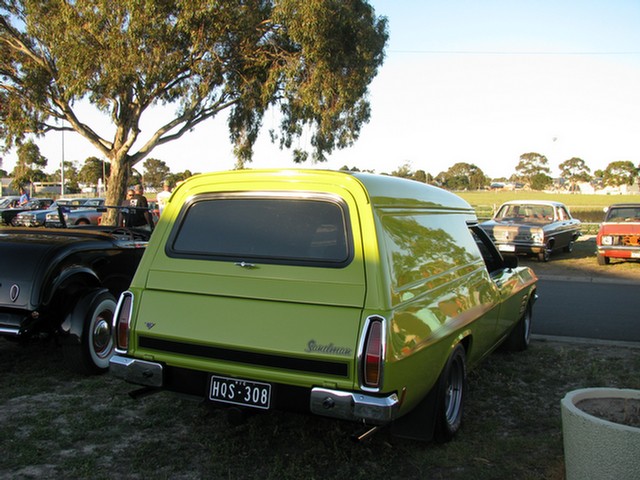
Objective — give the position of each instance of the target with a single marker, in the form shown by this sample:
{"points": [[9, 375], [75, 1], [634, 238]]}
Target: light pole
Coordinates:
{"points": [[62, 164]]}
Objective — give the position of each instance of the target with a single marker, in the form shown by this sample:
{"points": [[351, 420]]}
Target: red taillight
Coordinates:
{"points": [[373, 355], [122, 322]]}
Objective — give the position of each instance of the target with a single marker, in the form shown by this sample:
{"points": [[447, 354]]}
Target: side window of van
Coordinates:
{"points": [[423, 245], [268, 229], [490, 254]]}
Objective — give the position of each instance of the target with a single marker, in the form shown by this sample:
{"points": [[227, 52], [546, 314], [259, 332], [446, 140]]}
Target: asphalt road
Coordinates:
{"points": [[585, 308]]}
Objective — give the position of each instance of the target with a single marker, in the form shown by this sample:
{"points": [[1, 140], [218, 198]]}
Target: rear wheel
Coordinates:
{"points": [[94, 312], [520, 337], [451, 392]]}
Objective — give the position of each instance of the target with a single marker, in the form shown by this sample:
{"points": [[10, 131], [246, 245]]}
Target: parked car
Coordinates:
{"points": [[89, 213], [9, 214], [533, 227], [619, 233], [36, 218], [63, 283], [10, 201], [348, 295]]}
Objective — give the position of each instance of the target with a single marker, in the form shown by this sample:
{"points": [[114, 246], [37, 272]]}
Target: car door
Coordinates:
{"points": [[505, 279], [564, 229]]}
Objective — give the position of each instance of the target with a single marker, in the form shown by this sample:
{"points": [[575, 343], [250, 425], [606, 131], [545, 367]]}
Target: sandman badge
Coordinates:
{"points": [[330, 349]]}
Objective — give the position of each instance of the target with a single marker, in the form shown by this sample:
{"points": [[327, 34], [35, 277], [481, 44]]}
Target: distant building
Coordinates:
{"points": [[6, 188]]}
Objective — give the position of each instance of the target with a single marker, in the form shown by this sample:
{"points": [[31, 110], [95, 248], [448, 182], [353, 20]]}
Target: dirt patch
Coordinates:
{"points": [[582, 263], [625, 411]]}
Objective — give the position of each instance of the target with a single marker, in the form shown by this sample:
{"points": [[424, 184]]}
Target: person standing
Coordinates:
{"points": [[136, 208], [141, 216], [24, 197], [163, 196], [124, 212]]}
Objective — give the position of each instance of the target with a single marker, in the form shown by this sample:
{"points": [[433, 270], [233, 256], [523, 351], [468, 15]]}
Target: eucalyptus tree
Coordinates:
{"points": [[575, 170], [464, 176], [310, 60], [30, 166], [155, 172], [532, 169], [622, 172], [93, 170]]}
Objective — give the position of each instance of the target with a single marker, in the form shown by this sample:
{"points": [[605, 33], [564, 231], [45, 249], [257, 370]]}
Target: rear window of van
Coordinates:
{"points": [[266, 229]]}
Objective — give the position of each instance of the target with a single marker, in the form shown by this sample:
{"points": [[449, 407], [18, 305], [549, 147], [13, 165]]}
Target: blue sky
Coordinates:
{"points": [[468, 81]]}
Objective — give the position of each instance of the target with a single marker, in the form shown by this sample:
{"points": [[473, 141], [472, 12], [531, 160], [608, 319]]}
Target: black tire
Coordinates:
{"points": [[569, 247], [544, 255], [91, 354], [602, 260], [520, 337], [452, 386]]}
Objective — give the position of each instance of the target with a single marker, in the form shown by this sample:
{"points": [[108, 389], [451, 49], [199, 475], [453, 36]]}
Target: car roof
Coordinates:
{"points": [[535, 202], [624, 205]]}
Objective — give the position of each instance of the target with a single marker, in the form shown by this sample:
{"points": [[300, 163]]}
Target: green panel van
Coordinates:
{"points": [[349, 295]]}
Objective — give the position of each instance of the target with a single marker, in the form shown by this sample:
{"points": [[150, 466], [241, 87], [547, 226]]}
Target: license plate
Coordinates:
{"points": [[635, 254], [507, 248], [240, 392]]}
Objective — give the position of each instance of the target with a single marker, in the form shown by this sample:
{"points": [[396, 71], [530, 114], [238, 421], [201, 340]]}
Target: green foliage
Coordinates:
{"points": [[93, 170], [311, 59], [620, 173], [29, 167], [575, 170], [70, 177], [531, 165], [155, 172], [540, 181], [463, 176], [405, 171]]}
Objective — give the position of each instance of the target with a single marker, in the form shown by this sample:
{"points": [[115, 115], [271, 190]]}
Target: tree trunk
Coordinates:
{"points": [[116, 187]]}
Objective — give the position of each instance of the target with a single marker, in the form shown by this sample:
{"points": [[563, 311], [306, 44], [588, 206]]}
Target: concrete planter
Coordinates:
{"points": [[595, 448]]}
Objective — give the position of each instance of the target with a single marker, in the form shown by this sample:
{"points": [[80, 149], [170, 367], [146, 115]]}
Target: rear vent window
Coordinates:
{"points": [[305, 231]]}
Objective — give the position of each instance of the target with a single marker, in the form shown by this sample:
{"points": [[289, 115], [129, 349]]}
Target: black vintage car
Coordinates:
{"points": [[63, 283]]}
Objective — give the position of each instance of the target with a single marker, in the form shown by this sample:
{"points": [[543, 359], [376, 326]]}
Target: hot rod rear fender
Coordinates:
{"points": [[73, 325], [67, 283]]}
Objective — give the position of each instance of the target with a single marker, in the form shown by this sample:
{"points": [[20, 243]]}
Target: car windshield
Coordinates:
{"points": [[624, 214], [525, 213]]}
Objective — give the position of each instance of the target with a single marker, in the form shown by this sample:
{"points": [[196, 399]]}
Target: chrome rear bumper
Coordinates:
{"points": [[354, 406], [136, 371]]}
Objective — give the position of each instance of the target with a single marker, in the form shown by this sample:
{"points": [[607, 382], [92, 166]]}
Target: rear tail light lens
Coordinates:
{"points": [[122, 321], [373, 354]]}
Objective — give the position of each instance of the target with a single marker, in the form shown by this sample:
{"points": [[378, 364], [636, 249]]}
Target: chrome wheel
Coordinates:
{"points": [[100, 341], [454, 391], [451, 392]]}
